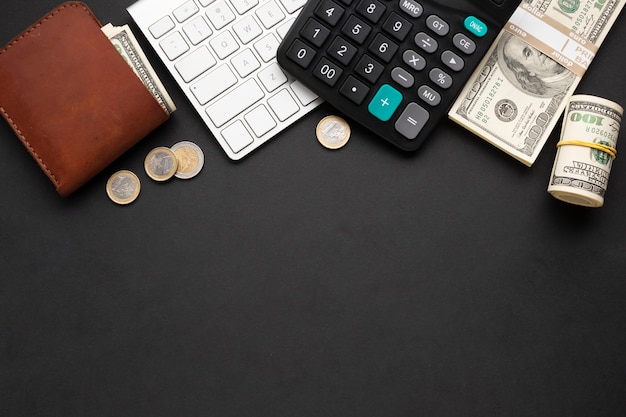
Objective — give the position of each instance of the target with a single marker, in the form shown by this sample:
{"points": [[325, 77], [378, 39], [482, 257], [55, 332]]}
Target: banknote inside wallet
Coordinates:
{"points": [[71, 98]]}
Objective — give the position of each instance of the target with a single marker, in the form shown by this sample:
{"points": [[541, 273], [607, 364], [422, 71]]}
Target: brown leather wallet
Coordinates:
{"points": [[70, 97]]}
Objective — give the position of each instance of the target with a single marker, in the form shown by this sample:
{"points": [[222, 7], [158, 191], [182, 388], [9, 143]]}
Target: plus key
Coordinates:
{"points": [[385, 102]]}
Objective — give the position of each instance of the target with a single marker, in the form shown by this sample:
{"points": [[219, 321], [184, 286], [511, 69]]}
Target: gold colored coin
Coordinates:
{"points": [[161, 164], [333, 132], [190, 159], [123, 187]]}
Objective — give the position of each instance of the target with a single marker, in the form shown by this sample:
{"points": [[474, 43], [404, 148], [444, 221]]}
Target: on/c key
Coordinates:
{"points": [[475, 26]]}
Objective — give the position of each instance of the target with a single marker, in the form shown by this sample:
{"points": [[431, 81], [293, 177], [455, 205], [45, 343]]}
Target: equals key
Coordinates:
{"points": [[412, 120]]}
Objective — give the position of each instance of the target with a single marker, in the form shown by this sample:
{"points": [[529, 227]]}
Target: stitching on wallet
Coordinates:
{"points": [[41, 22], [6, 115], [28, 145]]}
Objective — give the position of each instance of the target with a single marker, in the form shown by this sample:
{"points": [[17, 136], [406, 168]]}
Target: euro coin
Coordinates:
{"points": [[333, 132], [123, 187], [190, 159], [161, 164]]}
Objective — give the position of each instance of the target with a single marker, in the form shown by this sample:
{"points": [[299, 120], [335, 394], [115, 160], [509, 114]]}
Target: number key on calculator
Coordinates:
{"points": [[394, 66]]}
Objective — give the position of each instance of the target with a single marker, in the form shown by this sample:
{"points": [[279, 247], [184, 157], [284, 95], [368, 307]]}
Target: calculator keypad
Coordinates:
{"points": [[393, 65]]}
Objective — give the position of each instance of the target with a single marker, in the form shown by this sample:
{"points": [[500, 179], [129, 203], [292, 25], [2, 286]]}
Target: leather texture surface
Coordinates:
{"points": [[71, 99]]}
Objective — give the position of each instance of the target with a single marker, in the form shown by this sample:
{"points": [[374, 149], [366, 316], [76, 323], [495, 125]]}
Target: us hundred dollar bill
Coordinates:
{"points": [[584, 159], [126, 44], [518, 92]]}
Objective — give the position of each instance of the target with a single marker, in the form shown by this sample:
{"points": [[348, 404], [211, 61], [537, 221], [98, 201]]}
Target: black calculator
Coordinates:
{"points": [[394, 66]]}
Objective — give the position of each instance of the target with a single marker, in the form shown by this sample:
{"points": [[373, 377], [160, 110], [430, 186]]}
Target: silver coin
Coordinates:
{"points": [[333, 132], [190, 159], [123, 187], [161, 164]]}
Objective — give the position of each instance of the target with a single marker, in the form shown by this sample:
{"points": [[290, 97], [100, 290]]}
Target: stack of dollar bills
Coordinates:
{"points": [[518, 92]]}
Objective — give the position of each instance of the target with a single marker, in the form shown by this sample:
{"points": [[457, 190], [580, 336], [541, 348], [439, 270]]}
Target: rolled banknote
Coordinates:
{"points": [[126, 44], [586, 151], [519, 91]]}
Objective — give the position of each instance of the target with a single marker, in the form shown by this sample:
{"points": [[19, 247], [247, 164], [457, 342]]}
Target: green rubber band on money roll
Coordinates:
{"points": [[611, 151]]}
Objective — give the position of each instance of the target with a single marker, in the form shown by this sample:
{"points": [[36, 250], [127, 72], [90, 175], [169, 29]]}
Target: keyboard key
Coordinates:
{"points": [[452, 61], [303, 94], [284, 28], [385, 102], [475, 26], [397, 26], [224, 44], [237, 137], [270, 14], [314, 32], [185, 11], [195, 64], [414, 60], [402, 77], [329, 11], [174, 46], [213, 84], [220, 14], [243, 6], [440, 78], [424, 41], [267, 47], [197, 30], [411, 8], [300, 53], [272, 77], [283, 105], [342, 51], [245, 63], [438, 25], [369, 69], [328, 72], [354, 90], [464, 44], [260, 120], [292, 5], [161, 27], [356, 29], [235, 102], [429, 96], [372, 10], [412, 120], [383, 48], [247, 29]]}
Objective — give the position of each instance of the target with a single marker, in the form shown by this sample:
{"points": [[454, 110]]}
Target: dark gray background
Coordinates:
{"points": [[306, 282]]}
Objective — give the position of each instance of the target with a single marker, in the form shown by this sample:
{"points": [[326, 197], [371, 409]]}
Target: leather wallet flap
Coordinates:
{"points": [[70, 97]]}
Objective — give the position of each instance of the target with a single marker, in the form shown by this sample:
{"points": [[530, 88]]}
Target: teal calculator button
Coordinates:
{"points": [[385, 102], [474, 25]]}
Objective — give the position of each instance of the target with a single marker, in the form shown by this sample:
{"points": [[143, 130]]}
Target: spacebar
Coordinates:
{"points": [[235, 102]]}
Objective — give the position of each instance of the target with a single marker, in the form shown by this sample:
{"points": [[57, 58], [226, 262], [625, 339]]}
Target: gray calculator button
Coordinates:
{"points": [[438, 25], [464, 44], [440, 78], [412, 120], [411, 7], [414, 60], [402, 77], [452, 61], [429, 96], [426, 42]]}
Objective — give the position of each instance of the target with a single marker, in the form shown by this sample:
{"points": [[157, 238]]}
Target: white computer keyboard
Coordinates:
{"points": [[222, 53]]}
